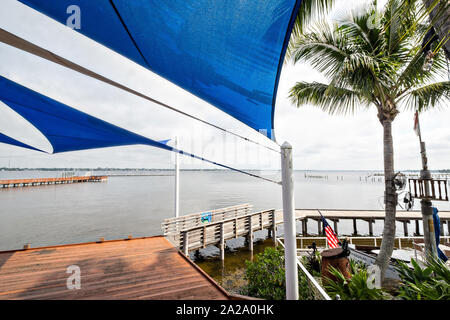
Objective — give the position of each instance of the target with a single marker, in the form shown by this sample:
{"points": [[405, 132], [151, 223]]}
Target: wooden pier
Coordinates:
{"points": [[194, 232], [369, 242], [141, 268], [405, 217], [14, 183]]}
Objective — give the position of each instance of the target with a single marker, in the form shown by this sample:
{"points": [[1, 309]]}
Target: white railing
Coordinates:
{"points": [[376, 240], [319, 292]]}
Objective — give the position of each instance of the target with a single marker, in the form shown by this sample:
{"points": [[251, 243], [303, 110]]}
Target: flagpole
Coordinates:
{"points": [[426, 205]]}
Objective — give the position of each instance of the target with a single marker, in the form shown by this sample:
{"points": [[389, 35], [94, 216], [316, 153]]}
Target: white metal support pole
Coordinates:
{"points": [[290, 242], [177, 180]]}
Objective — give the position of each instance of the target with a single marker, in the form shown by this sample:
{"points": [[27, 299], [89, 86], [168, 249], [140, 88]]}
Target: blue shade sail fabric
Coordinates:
{"points": [[229, 53], [8, 140], [66, 128]]}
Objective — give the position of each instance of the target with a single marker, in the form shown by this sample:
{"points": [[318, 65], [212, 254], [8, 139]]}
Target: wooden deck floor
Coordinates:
{"points": [[145, 268]]}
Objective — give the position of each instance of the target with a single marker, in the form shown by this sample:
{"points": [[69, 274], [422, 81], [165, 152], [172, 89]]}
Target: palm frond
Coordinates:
{"points": [[309, 11], [333, 100], [427, 97], [413, 74]]}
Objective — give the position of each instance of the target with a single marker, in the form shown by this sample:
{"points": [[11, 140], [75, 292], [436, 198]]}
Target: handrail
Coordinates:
{"points": [[214, 211], [227, 220], [311, 279]]}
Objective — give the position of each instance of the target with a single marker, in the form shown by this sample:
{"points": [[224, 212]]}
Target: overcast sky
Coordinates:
{"points": [[320, 141]]}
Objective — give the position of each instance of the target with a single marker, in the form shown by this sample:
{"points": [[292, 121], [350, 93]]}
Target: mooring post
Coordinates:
{"points": [[355, 230], [290, 242], [319, 228], [177, 180]]}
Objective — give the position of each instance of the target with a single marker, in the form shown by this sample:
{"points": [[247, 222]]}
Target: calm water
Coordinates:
{"points": [[136, 205]]}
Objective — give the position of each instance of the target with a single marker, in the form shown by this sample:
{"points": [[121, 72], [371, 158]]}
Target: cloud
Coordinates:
{"points": [[320, 141]]}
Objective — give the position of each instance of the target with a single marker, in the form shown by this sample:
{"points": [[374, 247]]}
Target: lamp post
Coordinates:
{"points": [[290, 242], [177, 180]]}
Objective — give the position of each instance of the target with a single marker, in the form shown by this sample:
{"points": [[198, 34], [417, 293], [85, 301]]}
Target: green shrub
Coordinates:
{"points": [[429, 283], [266, 277], [355, 288]]}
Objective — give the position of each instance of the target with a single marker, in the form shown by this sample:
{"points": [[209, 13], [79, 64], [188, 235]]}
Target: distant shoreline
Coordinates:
{"points": [[170, 169]]}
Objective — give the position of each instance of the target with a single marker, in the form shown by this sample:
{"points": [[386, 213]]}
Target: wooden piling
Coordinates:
{"points": [[305, 227], [274, 228], [370, 221], [335, 224], [250, 234], [186, 243], [355, 230], [222, 242], [417, 228], [405, 227]]}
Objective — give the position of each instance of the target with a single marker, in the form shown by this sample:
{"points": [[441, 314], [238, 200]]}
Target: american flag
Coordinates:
{"points": [[333, 241]]}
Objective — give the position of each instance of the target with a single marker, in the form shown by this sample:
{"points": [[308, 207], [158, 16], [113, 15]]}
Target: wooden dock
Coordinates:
{"points": [[374, 242], [141, 268], [405, 217], [13, 183], [194, 232]]}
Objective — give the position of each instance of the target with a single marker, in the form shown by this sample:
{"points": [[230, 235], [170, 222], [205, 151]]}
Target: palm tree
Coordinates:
{"points": [[373, 63]]}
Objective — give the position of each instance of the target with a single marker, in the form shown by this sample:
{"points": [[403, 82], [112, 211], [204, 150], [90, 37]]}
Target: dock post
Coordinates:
{"points": [[370, 227], [222, 242], [417, 228], [442, 228], [319, 228], [250, 234], [335, 224], [305, 227], [405, 228], [177, 180], [290, 242], [185, 243], [274, 228], [355, 230]]}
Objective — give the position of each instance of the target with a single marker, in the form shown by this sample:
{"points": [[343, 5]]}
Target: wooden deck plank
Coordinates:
{"points": [[149, 268]]}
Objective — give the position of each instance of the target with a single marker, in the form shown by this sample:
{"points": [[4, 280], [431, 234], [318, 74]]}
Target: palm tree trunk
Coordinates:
{"points": [[442, 23], [387, 245]]}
